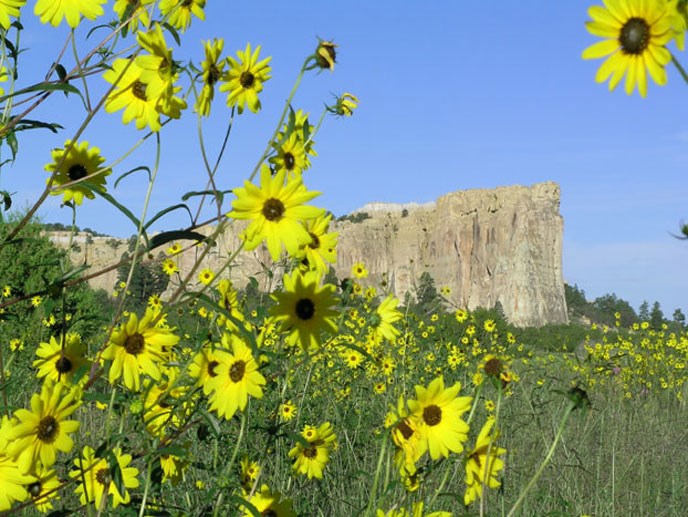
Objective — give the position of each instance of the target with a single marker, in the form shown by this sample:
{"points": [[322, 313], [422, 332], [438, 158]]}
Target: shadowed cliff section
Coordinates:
{"points": [[489, 245]]}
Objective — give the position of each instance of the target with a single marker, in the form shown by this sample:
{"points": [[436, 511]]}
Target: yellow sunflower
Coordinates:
{"points": [[229, 301], [484, 463], [358, 270], [9, 8], [305, 308], [311, 460], [140, 13], [132, 95], [276, 210], [42, 432], [13, 482], [321, 251], [636, 33], [245, 78], [287, 410], [325, 55], [236, 378], [384, 318], [180, 11], [437, 412], [76, 163], [59, 361], [44, 489], [268, 503], [213, 71], [54, 11], [94, 477], [291, 156], [138, 347]]}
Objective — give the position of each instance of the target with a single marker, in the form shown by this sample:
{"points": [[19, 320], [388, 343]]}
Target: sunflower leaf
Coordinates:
{"points": [[181, 235]]}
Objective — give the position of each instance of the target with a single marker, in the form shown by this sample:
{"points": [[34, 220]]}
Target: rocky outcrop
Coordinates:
{"points": [[498, 245]]}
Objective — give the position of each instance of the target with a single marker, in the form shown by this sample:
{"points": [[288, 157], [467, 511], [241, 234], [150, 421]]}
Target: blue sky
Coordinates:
{"points": [[454, 95]]}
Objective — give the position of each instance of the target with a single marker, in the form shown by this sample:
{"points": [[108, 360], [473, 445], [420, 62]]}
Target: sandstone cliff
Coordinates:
{"points": [[499, 245]]}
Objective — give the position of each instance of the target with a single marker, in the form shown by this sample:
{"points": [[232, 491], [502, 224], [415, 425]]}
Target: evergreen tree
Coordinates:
{"points": [[656, 316], [644, 311], [679, 317]]}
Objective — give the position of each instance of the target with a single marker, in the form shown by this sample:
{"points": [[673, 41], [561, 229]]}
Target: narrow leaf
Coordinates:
{"points": [[175, 235], [135, 169], [166, 211]]}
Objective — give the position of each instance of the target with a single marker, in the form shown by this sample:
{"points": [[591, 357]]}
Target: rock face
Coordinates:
{"points": [[498, 245]]}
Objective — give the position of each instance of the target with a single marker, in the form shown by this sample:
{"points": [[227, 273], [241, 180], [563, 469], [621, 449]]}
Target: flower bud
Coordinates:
{"points": [[325, 55]]}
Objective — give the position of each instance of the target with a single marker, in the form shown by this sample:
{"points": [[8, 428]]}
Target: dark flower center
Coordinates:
{"points": [[76, 172], [47, 429], [134, 344], [213, 75], [269, 512], [273, 209], [63, 365], [305, 309], [247, 79], [493, 367], [237, 370], [635, 36], [103, 477], [432, 415], [289, 161], [315, 241], [311, 452], [211, 368], [139, 90], [405, 429], [35, 489]]}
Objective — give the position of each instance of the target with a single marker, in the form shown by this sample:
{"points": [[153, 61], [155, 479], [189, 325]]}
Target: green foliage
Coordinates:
{"points": [[147, 279], [34, 266], [602, 310], [356, 217]]}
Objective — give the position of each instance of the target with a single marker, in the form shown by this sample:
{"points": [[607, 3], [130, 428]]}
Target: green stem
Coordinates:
{"points": [[229, 465], [680, 68], [373, 491], [304, 67], [540, 469]]}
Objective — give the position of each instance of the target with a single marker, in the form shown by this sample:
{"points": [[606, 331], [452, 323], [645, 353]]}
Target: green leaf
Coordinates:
{"points": [[115, 471], [73, 273], [174, 450], [61, 72], [131, 6], [11, 139], [173, 32], [6, 199], [107, 197], [49, 87], [175, 235], [240, 501], [219, 194], [26, 123], [135, 169], [166, 211], [212, 422]]}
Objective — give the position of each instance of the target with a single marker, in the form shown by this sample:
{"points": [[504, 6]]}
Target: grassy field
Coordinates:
{"points": [[622, 451]]}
